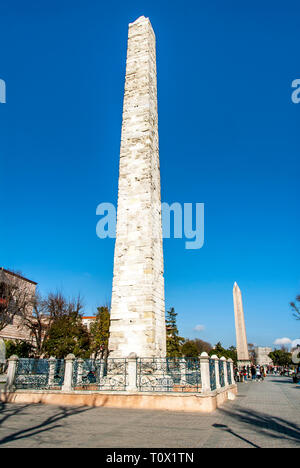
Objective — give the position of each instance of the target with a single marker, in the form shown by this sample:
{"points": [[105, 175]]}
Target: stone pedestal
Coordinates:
{"points": [[69, 361], [225, 371], [205, 375], [52, 362], [11, 372], [217, 371]]}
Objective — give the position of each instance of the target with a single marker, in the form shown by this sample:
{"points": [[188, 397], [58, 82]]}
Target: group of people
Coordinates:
{"points": [[256, 373]]}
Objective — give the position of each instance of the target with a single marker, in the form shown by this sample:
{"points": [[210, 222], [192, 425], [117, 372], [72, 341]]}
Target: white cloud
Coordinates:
{"points": [[282, 341], [199, 328]]}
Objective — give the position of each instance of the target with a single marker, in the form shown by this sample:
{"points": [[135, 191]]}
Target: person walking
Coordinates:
{"points": [[258, 374], [253, 372]]}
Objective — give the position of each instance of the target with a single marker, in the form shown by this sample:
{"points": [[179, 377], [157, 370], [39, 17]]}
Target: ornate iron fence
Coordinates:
{"points": [[229, 373], [114, 375], [168, 375], [212, 374], [86, 374], [40, 374], [221, 373], [90, 374], [145, 374]]}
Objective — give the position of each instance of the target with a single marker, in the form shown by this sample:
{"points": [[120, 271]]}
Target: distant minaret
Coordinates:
{"points": [[138, 302], [240, 328]]}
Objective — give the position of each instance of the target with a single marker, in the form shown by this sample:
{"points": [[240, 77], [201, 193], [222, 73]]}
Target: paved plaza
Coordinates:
{"points": [[264, 414]]}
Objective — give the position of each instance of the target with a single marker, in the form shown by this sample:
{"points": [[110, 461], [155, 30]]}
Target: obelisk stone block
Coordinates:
{"points": [[138, 308]]}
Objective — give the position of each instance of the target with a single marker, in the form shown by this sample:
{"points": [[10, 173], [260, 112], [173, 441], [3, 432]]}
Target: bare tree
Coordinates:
{"points": [[296, 308], [44, 313], [16, 297]]}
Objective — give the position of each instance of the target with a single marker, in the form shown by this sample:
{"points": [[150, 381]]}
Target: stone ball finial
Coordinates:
{"points": [[70, 357], [14, 357]]}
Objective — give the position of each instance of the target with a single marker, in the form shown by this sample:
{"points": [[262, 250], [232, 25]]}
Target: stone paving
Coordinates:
{"points": [[264, 414]]}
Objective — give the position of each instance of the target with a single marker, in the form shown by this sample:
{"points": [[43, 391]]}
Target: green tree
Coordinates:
{"points": [[189, 349], [218, 350], [229, 353], [174, 341], [99, 333], [281, 357], [22, 349], [67, 334], [232, 354]]}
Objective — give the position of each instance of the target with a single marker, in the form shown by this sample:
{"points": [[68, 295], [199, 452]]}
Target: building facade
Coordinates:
{"points": [[262, 356], [14, 329]]}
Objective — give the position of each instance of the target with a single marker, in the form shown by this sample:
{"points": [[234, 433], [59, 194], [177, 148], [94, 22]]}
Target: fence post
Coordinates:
{"points": [[131, 373], [102, 367], [217, 373], [52, 362], [204, 372], [11, 372], [231, 371], [69, 360], [80, 363], [182, 367], [225, 371]]}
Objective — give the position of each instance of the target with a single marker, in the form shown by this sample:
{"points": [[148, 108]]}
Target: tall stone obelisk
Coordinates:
{"points": [[240, 328], [138, 307]]}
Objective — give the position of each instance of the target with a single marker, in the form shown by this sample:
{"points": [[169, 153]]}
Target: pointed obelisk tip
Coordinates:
{"points": [[140, 19], [235, 286]]}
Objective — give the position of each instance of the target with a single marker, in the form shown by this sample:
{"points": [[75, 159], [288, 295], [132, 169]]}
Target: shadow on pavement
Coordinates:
{"points": [[8, 410], [267, 425], [230, 431]]}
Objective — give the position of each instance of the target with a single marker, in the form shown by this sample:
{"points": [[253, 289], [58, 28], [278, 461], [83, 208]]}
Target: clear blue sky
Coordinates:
{"points": [[229, 137]]}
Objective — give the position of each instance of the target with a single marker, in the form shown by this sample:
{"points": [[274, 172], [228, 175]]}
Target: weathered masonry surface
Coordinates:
{"points": [[138, 308]]}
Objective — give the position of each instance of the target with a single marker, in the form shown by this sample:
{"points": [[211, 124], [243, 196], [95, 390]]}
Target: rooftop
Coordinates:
{"points": [[17, 275]]}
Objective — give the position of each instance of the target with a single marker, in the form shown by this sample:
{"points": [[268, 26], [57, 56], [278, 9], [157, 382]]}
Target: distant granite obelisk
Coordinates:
{"points": [[240, 328], [138, 305]]}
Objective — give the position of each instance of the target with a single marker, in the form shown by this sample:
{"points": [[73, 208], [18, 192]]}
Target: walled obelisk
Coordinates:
{"points": [[240, 328], [138, 307]]}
